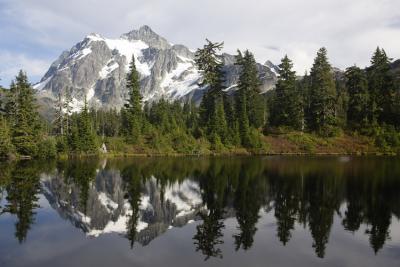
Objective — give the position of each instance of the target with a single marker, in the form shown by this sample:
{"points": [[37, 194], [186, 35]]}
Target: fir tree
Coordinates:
{"points": [[288, 106], [381, 88], [212, 113], [132, 113], [323, 96], [357, 87], [250, 84], [87, 139], [23, 115]]}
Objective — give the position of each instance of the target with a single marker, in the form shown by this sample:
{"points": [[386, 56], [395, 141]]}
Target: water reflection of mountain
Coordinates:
{"points": [[141, 198], [104, 206]]}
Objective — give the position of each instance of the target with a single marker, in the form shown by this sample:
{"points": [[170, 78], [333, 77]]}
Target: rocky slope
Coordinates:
{"points": [[96, 68]]}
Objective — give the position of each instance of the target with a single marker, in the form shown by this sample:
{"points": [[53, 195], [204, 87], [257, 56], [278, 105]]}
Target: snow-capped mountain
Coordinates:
{"points": [[96, 68]]}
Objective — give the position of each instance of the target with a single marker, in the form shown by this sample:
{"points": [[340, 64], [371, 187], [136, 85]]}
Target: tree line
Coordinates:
{"points": [[325, 102]]}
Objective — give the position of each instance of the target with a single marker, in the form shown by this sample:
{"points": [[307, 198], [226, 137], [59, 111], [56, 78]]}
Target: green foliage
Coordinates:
{"points": [[357, 86], [249, 90], [23, 115], [212, 107], [82, 138], [381, 89], [288, 104], [323, 96], [132, 112]]}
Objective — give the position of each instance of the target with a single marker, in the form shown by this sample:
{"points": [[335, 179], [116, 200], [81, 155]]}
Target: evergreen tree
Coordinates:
{"points": [[87, 139], [288, 107], [132, 112], [249, 83], [357, 87], [212, 113], [381, 89], [323, 96], [23, 115], [304, 87], [342, 99]]}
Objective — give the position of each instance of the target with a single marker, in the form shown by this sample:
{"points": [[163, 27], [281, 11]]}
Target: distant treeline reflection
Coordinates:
{"points": [[361, 192]]}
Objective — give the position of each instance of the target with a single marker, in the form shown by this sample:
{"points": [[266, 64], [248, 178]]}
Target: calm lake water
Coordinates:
{"points": [[255, 211]]}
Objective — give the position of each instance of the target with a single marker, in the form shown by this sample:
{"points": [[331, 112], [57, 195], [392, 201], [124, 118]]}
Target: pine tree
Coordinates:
{"points": [[288, 106], [87, 139], [357, 87], [212, 113], [250, 84], [132, 113], [381, 88], [23, 115], [241, 102], [323, 96]]}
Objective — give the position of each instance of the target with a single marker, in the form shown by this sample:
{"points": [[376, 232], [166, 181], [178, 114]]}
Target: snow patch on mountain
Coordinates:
{"points": [[127, 48], [108, 69], [41, 85]]}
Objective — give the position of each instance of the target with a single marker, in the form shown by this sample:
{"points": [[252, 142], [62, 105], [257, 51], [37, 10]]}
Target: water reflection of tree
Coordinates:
{"points": [[132, 177], [285, 192], [324, 199], [214, 185], [372, 204], [22, 198], [82, 174], [5, 176], [248, 200]]}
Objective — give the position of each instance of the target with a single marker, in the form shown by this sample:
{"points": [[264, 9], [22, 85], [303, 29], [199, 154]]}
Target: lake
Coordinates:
{"points": [[233, 211]]}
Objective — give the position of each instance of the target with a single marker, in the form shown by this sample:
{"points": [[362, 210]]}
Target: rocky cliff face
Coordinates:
{"points": [[96, 68]]}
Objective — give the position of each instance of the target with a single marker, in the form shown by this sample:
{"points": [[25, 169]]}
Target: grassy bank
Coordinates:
{"points": [[295, 143]]}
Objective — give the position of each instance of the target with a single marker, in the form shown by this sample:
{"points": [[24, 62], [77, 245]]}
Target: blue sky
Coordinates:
{"points": [[35, 32]]}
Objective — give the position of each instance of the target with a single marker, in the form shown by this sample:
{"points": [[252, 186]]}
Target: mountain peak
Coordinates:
{"points": [[147, 35], [146, 28]]}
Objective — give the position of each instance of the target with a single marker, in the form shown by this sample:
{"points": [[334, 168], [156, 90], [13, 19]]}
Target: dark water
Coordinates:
{"points": [[260, 211]]}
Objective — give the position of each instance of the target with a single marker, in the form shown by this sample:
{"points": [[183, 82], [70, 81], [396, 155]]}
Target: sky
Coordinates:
{"points": [[33, 33]]}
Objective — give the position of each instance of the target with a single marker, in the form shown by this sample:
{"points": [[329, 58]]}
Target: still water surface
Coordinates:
{"points": [[255, 211]]}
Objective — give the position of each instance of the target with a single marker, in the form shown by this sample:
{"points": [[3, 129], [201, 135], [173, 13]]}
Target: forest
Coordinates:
{"points": [[325, 111]]}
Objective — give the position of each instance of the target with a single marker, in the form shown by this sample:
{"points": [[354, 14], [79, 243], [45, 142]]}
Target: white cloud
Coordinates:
{"points": [[11, 64], [349, 29]]}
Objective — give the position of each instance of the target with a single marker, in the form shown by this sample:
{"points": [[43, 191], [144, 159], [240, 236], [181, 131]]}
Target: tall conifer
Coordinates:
{"points": [[323, 96], [132, 112], [357, 87]]}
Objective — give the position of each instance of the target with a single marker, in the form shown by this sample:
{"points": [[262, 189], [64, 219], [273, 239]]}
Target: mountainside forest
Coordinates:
{"points": [[325, 111]]}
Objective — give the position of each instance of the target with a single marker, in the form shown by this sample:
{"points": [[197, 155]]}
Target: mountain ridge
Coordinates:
{"points": [[95, 68]]}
